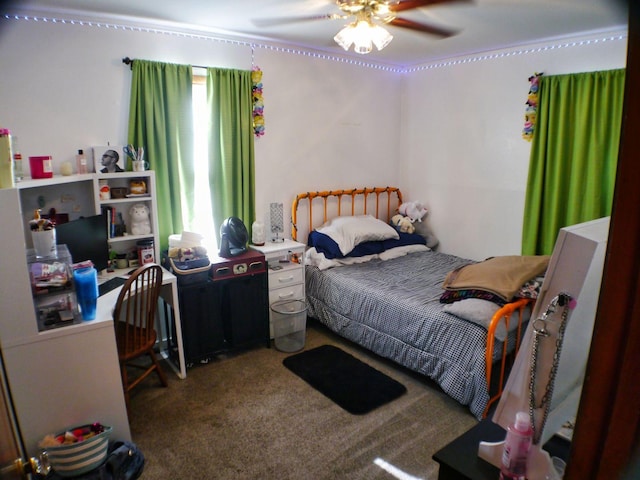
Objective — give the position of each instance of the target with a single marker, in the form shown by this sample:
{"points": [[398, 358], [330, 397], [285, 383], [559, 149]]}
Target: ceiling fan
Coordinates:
{"points": [[366, 20]]}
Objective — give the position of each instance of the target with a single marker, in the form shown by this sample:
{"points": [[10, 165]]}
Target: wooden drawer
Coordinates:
{"points": [[290, 292], [285, 277]]}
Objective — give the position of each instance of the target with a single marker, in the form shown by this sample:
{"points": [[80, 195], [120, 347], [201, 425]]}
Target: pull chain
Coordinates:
{"points": [[540, 331]]}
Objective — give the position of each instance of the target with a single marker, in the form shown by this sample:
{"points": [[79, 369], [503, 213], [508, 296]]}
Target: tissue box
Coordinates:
{"points": [[41, 166]]}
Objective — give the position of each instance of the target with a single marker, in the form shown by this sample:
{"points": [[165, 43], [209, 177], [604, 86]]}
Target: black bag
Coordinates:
{"points": [[124, 462]]}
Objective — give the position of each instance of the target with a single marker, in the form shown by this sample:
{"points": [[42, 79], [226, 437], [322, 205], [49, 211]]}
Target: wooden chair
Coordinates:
{"points": [[134, 322]]}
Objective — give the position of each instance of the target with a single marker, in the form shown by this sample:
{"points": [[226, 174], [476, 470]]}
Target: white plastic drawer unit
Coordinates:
{"points": [[285, 277], [292, 292]]}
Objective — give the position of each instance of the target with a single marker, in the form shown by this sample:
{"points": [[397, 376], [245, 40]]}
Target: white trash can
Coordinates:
{"points": [[289, 323]]}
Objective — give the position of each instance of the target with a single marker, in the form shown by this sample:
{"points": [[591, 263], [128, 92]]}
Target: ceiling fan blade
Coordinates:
{"points": [[422, 27], [271, 22], [411, 4]]}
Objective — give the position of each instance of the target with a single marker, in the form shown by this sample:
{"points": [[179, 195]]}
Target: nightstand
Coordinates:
{"points": [[286, 278], [459, 459]]}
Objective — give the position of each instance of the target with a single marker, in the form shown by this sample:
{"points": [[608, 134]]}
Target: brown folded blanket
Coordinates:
{"points": [[502, 276]]}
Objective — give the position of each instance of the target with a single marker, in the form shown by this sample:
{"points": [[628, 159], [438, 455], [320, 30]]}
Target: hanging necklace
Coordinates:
{"points": [[540, 331]]}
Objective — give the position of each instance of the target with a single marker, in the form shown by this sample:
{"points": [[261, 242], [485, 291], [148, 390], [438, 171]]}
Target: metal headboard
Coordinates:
{"points": [[384, 201]]}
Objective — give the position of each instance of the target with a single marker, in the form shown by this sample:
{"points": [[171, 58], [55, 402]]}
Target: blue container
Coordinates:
{"points": [[86, 280]]}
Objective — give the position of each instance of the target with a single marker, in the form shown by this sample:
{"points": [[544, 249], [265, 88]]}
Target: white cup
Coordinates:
{"points": [[140, 165], [44, 242]]}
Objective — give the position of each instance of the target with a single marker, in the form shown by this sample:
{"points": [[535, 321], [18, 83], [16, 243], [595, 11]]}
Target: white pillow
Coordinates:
{"points": [[402, 251], [349, 231], [481, 312]]}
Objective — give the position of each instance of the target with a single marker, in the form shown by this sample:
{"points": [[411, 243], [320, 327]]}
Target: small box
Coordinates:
{"points": [[41, 166], [187, 272]]}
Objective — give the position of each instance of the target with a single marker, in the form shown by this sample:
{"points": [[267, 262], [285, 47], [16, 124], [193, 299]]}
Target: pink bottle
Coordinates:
{"points": [[516, 449]]}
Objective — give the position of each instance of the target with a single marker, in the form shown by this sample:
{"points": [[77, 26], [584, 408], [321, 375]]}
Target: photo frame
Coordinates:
{"points": [[115, 158]]}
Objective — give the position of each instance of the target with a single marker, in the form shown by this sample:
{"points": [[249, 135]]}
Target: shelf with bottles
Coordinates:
{"points": [[28, 182]]}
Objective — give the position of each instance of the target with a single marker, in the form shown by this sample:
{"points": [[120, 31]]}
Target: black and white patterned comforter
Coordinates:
{"points": [[392, 308]]}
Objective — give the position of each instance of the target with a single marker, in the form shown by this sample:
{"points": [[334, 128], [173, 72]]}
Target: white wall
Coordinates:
{"points": [[328, 124], [465, 156], [449, 136]]}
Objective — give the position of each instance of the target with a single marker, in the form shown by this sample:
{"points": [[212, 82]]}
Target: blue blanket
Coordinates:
{"points": [[392, 308]]}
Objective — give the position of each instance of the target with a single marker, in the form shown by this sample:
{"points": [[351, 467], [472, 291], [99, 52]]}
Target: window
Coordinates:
{"points": [[203, 217]]}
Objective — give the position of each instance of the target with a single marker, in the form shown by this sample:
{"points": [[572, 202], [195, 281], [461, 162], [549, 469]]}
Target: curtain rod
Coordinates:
{"points": [[129, 61]]}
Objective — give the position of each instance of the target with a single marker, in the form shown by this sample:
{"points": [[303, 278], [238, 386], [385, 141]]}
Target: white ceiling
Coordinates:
{"points": [[483, 24]]}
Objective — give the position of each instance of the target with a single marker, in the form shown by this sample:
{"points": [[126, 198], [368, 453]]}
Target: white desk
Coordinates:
{"points": [[169, 293], [71, 375]]}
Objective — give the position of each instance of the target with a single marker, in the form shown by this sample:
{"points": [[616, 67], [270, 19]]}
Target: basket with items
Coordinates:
{"points": [[77, 450]]}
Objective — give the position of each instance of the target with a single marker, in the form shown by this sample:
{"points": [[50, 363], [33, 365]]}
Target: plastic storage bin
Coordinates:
{"points": [[289, 323]]}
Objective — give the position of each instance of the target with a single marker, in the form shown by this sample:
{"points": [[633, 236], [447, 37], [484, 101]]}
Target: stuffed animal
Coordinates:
{"points": [[140, 224], [414, 210], [422, 228], [402, 224]]}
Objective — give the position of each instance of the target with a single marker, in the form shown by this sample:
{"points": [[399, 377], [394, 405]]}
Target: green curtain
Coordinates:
{"points": [[161, 121], [231, 147], [574, 154]]}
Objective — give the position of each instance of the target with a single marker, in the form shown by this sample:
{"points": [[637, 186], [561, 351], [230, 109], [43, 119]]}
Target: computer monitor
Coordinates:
{"points": [[86, 239]]}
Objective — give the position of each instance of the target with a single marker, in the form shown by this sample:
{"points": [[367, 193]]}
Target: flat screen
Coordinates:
{"points": [[86, 239]]}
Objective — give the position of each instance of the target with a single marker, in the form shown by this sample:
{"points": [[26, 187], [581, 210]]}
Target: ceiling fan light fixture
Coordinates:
{"points": [[345, 37], [363, 34], [362, 37], [380, 37]]}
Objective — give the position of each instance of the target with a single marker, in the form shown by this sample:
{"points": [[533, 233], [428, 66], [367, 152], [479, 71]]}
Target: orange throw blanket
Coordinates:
{"points": [[502, 276]]}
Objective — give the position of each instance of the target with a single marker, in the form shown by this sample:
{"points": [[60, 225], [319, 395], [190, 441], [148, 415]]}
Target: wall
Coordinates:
{"points": [[64, 87], [328, 125], [448, 134], [464, 152]]}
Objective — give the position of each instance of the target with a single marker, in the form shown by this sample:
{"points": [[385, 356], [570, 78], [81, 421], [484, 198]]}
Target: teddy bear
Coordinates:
{"points": [[140, 224], [402, 224], [413, 210], [422, 228]]}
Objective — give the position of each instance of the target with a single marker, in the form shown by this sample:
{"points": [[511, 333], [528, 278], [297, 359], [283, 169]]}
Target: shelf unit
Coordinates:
{"points": [[79, 195], [127, 243]]}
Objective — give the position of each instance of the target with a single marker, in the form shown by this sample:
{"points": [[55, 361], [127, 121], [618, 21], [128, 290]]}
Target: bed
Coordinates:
{"points": [[390, 301]]}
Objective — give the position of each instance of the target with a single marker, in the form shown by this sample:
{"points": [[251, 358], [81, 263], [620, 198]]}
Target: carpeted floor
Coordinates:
{"points": [[246, 416]]}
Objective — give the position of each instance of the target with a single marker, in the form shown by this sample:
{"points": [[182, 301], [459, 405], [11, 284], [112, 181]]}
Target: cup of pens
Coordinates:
{"points": [[140, 165], [137, 158]]}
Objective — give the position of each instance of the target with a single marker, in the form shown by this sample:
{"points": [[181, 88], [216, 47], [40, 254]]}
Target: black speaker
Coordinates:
{"points": [[233, 237]]}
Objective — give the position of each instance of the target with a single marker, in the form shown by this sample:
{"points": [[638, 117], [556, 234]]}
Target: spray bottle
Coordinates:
{"points": [[6, 159], [81, 162], [516, 448], [17, 160]]}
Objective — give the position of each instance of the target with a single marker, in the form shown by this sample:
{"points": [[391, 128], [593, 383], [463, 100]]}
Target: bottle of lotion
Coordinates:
{"points": [[81, 162], [6, 159], [517, 445], [17, 160]]}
